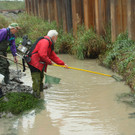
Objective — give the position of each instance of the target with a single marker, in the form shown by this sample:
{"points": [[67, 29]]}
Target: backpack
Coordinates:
{"points": [[27, 56]]}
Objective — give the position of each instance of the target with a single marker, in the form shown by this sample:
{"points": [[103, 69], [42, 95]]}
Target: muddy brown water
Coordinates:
{"points": [[82, 104]]}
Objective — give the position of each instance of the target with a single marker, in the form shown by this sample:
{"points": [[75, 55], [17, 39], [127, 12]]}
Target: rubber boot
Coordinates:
{"points": [[41, 81], [1, 93], [6, 79], [36, 83]]}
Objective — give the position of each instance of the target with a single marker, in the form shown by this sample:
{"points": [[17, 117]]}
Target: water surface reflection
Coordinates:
{"points": [[82, 104]]}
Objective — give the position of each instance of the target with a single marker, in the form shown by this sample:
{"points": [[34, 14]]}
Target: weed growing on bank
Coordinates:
{"points": [[4, 23], [64, 43], [88, 44], [34, 27], [9, 5], [17, 103], [121, 58]]}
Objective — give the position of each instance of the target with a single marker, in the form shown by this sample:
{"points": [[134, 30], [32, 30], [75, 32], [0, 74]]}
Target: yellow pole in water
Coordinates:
{"points": [[83, 70]]}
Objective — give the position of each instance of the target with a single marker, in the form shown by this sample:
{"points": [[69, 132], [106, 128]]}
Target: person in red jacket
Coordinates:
{"points": [[43, 55]]}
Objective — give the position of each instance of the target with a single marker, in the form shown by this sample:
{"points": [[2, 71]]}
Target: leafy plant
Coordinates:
{"points": [[12, 5], [3, 22], [88, 44], [34, 27], [64, 43], [17, 103]]}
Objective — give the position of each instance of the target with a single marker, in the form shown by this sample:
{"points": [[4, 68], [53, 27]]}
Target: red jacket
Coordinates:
{"points": [[43, 54]]}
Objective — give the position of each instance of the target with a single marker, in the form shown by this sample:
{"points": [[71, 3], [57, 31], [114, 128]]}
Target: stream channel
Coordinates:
{"points": [[82, 104]]}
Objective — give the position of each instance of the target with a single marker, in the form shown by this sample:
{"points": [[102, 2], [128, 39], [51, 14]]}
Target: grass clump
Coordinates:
{"points": [[17, 103], [4, 23], [88, 44], [34, 27], [121, 58], [64, 43], [9, 5]]}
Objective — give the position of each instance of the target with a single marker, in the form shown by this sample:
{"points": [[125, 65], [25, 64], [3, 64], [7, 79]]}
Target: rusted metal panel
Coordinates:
{"points": [[124, 15], [118, 17], [52, 14], [35, 8], [68, 14], [50, 7], [45, 10], [39, 7], [64, 16], [131, 18], [56, 12], [32, 7], [101, 15], [113, 22], [80, 11], [94, 13], [77, 14], [59, 11], [89, 13], [42, 8], [108, 10], [74, 16], [26, 6]]}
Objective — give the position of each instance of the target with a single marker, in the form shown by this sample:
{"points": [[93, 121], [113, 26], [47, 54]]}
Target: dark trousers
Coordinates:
{"points": [[4, 67]]}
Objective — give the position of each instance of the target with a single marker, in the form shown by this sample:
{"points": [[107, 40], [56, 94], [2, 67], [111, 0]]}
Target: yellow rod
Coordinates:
{"points": [[83, 70]]}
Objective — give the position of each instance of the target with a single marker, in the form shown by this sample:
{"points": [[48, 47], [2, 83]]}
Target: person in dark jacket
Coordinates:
{"points": [[7, 38], [43, 55]]}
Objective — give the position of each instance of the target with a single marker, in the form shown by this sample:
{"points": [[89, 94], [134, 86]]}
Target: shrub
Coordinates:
{"points": [[19, 102], [64, 43], [3, 22], [121, 58], [120, 50], [88, 44], [4, 5], [34, 27]]}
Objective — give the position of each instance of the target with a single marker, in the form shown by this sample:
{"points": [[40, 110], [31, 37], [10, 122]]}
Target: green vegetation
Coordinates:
{"points": [[3, 22], [121, 58], [64, 43], [33, 26], [88, 44], [4, 5], [17, 103]]}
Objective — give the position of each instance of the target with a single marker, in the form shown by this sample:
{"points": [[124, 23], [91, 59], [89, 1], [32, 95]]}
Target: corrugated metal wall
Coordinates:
{"points": [[93, 13]]}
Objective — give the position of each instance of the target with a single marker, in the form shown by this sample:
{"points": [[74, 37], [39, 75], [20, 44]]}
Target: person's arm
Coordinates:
{"points": [[57, 60], [3, 34], [13, 49]]}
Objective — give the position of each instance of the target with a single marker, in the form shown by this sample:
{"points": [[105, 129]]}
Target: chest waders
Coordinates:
{"points": [[4, 64], [37, 78]]}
